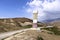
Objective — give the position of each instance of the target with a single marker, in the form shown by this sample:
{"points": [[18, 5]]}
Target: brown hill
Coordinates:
{"points": [[55, 23], [9, 24]]}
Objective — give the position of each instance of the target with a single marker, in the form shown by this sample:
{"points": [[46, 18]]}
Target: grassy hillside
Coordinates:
{"points": [[10, 24]]}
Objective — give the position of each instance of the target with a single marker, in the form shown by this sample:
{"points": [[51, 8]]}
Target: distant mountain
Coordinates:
{"points": [[51, 20]]}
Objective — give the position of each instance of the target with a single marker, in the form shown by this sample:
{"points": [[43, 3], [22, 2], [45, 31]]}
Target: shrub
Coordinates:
{"points": [[28, 26], [39, 38], [54, 30]]}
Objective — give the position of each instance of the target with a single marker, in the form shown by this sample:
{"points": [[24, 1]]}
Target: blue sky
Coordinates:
{"points": [[13, 8], [47, 9]]}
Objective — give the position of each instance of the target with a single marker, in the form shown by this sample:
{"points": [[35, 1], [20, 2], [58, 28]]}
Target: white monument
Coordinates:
{"points": [[35, 15]]}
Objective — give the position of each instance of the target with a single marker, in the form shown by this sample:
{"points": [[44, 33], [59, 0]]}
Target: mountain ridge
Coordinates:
{"points": [[51, 20], [10, 24]]}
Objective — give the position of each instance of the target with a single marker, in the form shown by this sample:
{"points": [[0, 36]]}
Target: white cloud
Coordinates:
{"points": [[42, 6], [29, 10], [34, 3], [55, 6]]}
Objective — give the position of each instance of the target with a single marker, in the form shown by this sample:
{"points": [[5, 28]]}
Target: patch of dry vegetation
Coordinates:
{"points": [[11, 24]]}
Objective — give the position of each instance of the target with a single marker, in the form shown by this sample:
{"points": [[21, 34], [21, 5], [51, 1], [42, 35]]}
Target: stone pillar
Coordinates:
{"points": [[35, 14]]}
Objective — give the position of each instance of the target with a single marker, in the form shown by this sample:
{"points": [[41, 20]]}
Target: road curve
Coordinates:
{"points": [[6, 34]]}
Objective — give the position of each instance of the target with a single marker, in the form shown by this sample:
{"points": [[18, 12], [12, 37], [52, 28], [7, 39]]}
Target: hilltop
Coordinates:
{"points": [[10, 24]]}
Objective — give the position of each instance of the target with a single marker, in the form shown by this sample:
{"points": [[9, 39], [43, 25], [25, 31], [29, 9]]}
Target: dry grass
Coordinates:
{"points": [[35, 35], [11, 24]]}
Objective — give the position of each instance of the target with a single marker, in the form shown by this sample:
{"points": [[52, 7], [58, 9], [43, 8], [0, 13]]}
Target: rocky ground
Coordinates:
{"points": [[35, 35]]}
